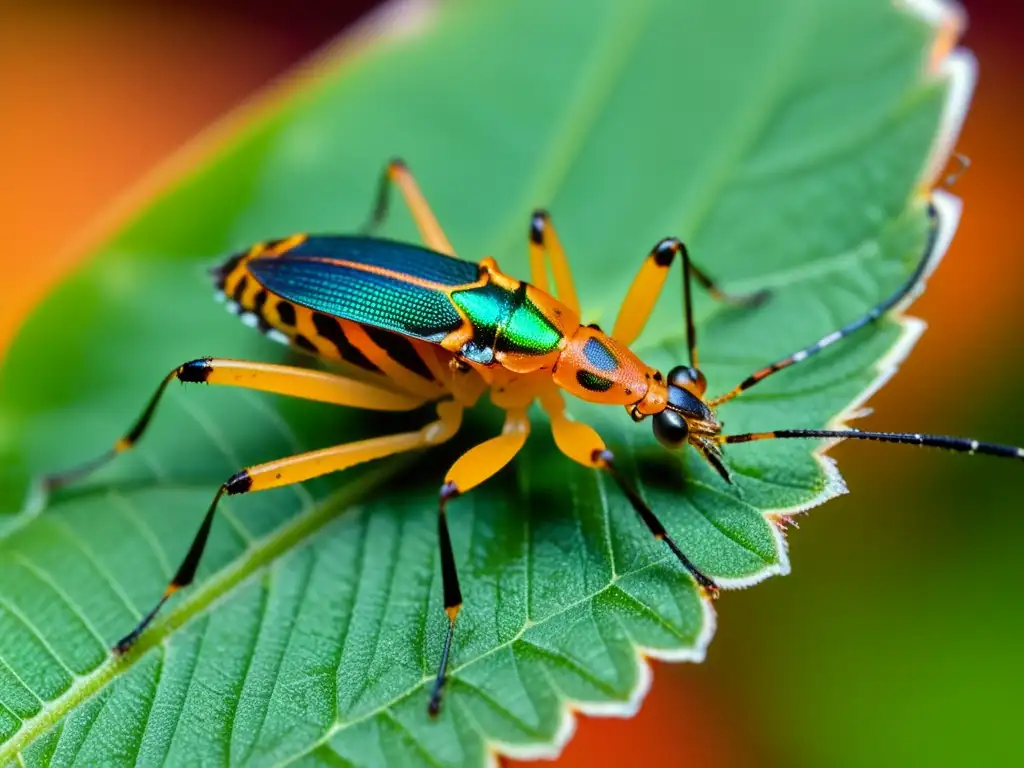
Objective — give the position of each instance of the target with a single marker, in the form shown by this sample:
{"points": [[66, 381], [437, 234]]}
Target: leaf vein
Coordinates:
{"points": [[21, 681], [69, 534], [388, 596], [280, 656], [247, 666], [456, 669], [611, 54], [22, 619], [197, 654], [44, 577], [132, 515], [416, 744], [148, 716]]}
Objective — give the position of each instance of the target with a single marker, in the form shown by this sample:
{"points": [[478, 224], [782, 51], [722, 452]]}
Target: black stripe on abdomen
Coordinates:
{"points": [[330, 329], [399, 349]]}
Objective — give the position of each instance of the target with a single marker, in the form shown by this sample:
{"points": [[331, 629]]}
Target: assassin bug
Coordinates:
{"points": [[420, 326]]}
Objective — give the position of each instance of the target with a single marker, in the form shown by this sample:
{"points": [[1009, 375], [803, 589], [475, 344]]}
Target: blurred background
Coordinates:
{"points": [[896, 640]]}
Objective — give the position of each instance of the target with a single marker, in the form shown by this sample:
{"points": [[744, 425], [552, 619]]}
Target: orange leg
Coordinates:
{"points": [[396, 172], [544, 241], [581, 443], [643, 294], [296, 469], [266, 377], [472, 468]]}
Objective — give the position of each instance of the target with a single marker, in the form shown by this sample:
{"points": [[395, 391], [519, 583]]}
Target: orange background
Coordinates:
{"points": [[95, 95]]}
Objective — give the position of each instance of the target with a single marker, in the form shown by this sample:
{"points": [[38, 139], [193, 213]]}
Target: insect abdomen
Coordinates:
{"points": [[323, 334], [255, 306]]}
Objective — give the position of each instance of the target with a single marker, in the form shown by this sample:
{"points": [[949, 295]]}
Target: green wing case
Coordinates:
{"points": [[381, 283]]}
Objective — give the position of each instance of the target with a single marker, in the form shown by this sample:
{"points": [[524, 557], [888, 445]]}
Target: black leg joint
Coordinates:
{"points": [[240, 482], [449, 491], [537, 222], [665, 251], [196, 372]]}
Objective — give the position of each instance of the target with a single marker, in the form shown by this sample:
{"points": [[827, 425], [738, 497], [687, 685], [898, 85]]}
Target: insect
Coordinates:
{"points": [[421, 326]]}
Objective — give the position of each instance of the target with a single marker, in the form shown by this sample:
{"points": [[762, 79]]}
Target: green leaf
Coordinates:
{"points": [[783, 141]]}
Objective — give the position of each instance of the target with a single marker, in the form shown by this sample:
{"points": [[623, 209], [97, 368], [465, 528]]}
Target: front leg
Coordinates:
{"points": [[581, 443], [472, 468]]}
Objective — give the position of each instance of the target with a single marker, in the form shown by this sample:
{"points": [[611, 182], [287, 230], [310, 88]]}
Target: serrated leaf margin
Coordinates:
{"points": [[398, 18]]}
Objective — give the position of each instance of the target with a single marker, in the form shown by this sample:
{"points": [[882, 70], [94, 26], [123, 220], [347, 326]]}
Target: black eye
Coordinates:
{"points": [[670, 428], [688, 378]]}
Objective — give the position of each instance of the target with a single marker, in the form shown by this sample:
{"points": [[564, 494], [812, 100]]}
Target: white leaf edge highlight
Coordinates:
{"points": [[399, 18], [959, 70]]}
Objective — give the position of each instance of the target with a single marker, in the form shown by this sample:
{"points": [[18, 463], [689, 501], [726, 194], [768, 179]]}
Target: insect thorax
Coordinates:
{"points": [[595, 367], [510, 324]]}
